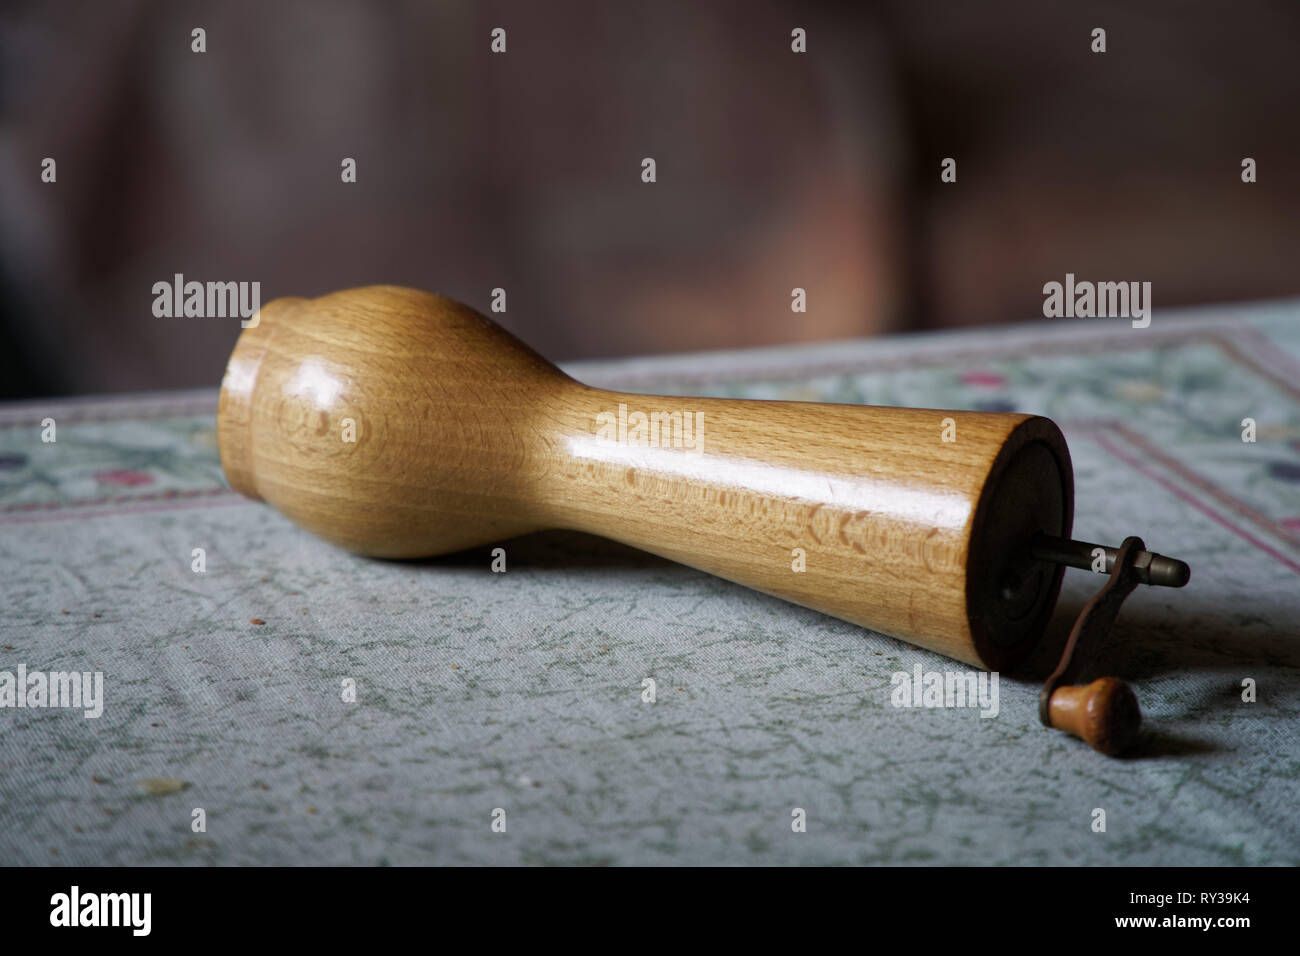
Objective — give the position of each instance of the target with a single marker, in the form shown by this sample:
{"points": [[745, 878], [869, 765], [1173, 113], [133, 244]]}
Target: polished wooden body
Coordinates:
{"points": [[464, 436]]}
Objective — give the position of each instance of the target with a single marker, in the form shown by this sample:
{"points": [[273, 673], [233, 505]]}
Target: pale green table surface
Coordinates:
{"points": [[523, 691]]}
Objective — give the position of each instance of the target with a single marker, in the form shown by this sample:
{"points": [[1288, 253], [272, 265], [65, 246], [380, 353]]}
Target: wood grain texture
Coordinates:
{"points": [[464, 437]]}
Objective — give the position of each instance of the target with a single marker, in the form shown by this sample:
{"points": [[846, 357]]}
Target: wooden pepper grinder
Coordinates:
{"points": [[401, 424]]}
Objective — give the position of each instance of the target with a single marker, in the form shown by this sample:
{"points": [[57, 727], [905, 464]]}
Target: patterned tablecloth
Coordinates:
{"points": [[480, 692]]}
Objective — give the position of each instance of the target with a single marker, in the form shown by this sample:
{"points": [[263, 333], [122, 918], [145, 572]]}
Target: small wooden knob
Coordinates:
{"points": [[1105, 714]]}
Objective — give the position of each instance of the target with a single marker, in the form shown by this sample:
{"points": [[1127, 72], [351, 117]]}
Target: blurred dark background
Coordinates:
{"points": [[522, 170]]}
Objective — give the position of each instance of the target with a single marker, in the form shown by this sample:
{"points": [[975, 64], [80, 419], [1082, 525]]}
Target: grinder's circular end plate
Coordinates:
{"points": [[1009, 595]]}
